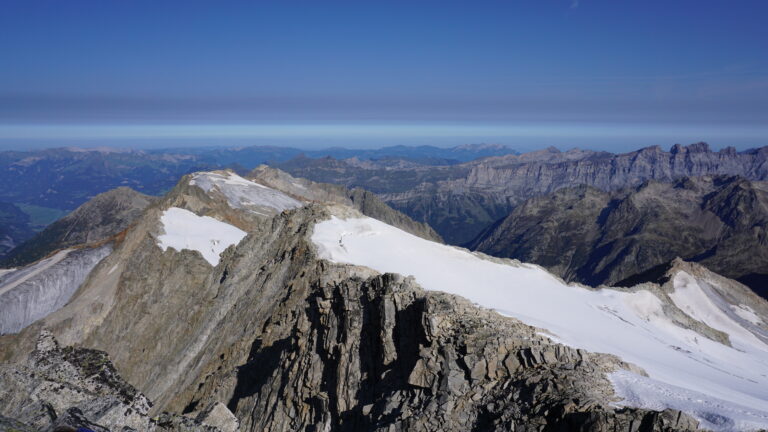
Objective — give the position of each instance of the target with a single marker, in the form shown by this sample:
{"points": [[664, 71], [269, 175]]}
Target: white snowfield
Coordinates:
{"points": [[726, 388], [746, 312], [32, 292], [186, 230], [244, 194], [692, 299]]}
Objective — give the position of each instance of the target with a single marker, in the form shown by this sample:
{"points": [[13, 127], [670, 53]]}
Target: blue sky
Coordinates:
{"points": [[612, 75]]}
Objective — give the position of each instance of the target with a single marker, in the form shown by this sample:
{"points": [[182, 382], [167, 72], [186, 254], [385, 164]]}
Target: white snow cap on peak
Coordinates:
{"points": [[242, 193]]}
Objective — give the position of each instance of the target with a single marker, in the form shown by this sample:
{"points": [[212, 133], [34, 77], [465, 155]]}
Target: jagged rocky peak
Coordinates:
{"points": [[699, 147], [230, 206], [77, 387], [321, 318]]}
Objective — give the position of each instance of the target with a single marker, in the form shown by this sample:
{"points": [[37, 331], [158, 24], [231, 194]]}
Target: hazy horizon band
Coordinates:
{"points": [[559, 134]]}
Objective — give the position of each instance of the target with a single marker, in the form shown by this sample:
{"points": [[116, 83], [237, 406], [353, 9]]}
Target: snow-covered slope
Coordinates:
{"points": [[186, 230], [30, 293], [703, 304], [244, 194], [746, 313], [725, 387]]}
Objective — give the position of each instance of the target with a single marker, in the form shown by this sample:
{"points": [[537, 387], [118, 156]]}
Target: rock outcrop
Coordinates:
{"points": [[378, 353], [586, 235], [76, 387], [270, 337]]}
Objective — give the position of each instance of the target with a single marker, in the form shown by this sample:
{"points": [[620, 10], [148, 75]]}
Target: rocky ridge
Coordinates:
{"points": [[76, 387], [586, 235], [282, 340], [460, 201], [368, 203], [100, 218]]}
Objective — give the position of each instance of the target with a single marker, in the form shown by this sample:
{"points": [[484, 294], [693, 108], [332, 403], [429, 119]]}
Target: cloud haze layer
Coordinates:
{"points": [[593, 73]]}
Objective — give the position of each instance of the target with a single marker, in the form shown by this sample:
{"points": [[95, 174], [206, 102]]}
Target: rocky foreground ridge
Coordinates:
{"points": [[272, 337]]}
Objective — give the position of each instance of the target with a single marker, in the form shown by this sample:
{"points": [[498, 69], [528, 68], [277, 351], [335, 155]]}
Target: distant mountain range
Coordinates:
{"points": [[460, 201], [252, 156], [43, 185]]}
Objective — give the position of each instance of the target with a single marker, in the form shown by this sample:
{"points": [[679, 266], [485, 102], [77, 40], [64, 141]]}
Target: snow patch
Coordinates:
{"points": [[713, 413], [747, 313], [242, 193], [186, 230], [631, 325], [6, 271], [691, 298]]}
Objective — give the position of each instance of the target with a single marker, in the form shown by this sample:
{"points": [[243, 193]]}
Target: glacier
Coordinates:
{"points": [[242, 193], [30, 293], [725, 387]]}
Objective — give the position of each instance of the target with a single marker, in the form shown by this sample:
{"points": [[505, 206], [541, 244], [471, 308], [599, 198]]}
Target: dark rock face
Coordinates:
{"points": [[456, 216], [102, 217], [462, 200], [594, 237]]}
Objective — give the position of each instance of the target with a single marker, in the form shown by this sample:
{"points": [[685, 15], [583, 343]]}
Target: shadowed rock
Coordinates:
{"points": [[584, 234]]}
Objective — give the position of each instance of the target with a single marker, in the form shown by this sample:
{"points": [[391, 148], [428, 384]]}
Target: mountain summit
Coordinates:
{"points": [[266, 302]]}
